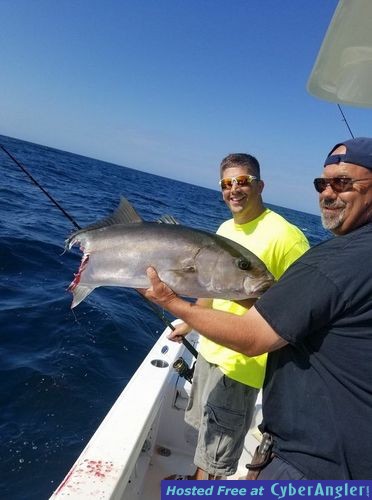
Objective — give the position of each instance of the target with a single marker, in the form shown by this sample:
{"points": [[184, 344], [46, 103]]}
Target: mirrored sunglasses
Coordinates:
{"points": [[240, 180]]}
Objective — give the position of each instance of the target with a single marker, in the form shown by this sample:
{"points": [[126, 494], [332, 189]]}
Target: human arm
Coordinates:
{"points": [[182, 329], [249, 334]]}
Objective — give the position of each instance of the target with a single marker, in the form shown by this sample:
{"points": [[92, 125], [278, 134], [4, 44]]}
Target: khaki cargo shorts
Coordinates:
{"points": [[222, 410]]}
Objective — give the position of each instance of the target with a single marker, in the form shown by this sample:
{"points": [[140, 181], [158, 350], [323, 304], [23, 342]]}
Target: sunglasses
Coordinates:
{"points": [[240, 180], [338, 184]]}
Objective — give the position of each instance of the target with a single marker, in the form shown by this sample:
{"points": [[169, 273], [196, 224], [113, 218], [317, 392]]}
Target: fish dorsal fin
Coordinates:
{"points": [[123, 214], [167, 219]]}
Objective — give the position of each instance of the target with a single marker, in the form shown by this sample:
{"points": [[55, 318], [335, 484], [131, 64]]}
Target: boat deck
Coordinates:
{"points": [[144, 438]]}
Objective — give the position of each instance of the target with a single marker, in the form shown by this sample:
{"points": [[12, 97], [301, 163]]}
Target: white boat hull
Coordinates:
{"points": [[144, 437]]}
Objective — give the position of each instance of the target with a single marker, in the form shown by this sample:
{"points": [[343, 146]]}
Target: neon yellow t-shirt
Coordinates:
{"points": [[278, 244]]}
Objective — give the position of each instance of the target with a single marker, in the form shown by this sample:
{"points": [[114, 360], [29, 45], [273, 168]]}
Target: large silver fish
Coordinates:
{"points": [[194, 263]]}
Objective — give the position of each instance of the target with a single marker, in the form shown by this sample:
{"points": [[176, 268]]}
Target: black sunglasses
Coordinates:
{"points": [[338, 184]]}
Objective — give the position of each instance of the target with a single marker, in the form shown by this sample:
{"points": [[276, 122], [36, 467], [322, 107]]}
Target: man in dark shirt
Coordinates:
{"points": [[316, 324]]}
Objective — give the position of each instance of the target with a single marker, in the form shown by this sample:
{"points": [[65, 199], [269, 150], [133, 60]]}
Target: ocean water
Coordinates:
{"points": [[61, 370]]}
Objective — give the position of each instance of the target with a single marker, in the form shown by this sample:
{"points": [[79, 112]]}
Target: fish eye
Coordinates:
{"points": [[244, 264]]}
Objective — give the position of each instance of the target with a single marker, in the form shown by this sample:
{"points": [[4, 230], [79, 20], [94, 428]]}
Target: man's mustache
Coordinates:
{"points": [[332, 204]]}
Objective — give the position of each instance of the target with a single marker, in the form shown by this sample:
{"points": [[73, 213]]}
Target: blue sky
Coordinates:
{"points": [[172, 86]]}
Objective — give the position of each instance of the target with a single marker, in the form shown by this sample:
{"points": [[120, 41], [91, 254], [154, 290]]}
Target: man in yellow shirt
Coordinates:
{"points": [[226, 383]]}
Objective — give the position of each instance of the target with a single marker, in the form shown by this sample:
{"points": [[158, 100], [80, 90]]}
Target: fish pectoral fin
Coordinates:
{"points": [[174, 276], [183, 270], [79, 293], [188, 269]]}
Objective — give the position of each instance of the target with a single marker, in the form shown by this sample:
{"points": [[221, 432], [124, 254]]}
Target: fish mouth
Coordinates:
{"points": [[258, 290]]}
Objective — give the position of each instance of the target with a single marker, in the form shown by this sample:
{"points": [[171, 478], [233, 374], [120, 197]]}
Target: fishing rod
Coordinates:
{"points": [[40, 187], [185, 342], [344, 119]]}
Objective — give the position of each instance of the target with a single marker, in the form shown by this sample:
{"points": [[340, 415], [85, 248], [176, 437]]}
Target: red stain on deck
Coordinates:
{"points": [[96, 468], [64, 482]]}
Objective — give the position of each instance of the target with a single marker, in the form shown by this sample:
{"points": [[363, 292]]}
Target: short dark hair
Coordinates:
{"points": [[241, 160]]}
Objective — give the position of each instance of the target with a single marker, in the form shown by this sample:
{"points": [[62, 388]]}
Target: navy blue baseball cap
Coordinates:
{"points": [[358, 151]]}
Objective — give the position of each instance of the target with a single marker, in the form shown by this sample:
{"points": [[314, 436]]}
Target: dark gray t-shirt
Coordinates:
{"points": [[318, 389]]}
